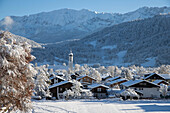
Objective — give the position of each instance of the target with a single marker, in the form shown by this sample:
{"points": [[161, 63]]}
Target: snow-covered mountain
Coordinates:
{"points": [[142, 42], [66, 24]]}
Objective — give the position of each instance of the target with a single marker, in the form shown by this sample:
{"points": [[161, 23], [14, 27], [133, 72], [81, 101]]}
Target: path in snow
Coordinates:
{"points": [[101, 106]]}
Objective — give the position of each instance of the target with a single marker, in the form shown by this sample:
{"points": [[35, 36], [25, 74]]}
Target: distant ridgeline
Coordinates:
{"points": [[67, 24], [141, 42]]}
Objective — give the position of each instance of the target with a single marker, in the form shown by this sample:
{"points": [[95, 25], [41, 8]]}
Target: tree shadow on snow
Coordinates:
{"points": [[153, 108], [109, 101]]}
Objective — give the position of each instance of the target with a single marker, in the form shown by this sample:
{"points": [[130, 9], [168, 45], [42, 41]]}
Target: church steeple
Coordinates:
{"points": [[70, 63]]}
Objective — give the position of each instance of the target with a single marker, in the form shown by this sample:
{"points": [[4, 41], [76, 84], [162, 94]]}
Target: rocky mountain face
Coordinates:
{"points": [[143, 42], [66, 24]]}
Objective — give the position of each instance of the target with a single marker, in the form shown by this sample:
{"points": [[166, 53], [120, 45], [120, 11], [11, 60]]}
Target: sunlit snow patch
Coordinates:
{"points": [[109, 47], [93, 43], [150, 62]]}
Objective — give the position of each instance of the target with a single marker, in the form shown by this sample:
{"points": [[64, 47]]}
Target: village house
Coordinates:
{"points": [[99, 90], [148, 89], [74, 76], [56, 79], [116, 83], [152, 77], [158, 82], [113, 78], [86, 80], [166, 77], [57, 89], [105, 77], [60, 74]]}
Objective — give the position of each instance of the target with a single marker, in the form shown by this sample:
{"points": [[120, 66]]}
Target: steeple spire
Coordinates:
{"points": [[70, 60]]}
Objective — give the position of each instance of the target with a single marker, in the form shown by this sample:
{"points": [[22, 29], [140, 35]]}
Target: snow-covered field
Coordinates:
{"points": [[102, 106]]}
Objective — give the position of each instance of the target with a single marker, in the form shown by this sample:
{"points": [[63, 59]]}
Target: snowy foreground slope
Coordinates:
{"points": [[102, 106]]}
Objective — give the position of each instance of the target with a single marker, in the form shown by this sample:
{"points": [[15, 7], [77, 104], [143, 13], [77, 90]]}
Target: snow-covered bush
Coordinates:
{"points": [[163, 89], [95, 74], [164, 69], [86, 93], [129, 92], [16, 82], [76, 88], [126, 73], [64, 64], [68, 94], [36, 97], [41, 82], [77, 67]]}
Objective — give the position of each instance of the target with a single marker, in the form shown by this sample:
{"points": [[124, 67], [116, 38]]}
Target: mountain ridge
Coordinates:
{"points": [[142, 42], [66, 24]]}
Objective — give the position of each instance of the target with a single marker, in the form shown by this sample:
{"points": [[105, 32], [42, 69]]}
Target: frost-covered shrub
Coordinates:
{"points": [[129, 93], [163, 89], [42, 82], [68, 94], [76, 89], [16, 82]]}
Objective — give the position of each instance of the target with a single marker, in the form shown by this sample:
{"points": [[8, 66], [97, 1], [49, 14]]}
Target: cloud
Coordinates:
{"points": [[8, 21]]}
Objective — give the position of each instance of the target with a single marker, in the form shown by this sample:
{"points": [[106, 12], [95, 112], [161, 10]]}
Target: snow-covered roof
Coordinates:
{"points": [[152, 75], [105, 76], [149, 75], [113, 90], [97, 85], [116, 81], [111, 79], [165, 76], [158, 81], [53, 77], [60, 83], [60, 73], [85, 90], [85, 76], [133, 82]]}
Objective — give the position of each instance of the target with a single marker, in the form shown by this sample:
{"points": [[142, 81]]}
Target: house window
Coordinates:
{"points": [[84, 79], [143, 84], [99, 89], [140, 88], [61, 89], [55, 80]]}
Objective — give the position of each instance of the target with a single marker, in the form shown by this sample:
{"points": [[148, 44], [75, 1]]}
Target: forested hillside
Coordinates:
{"points": [[141, 42]]}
